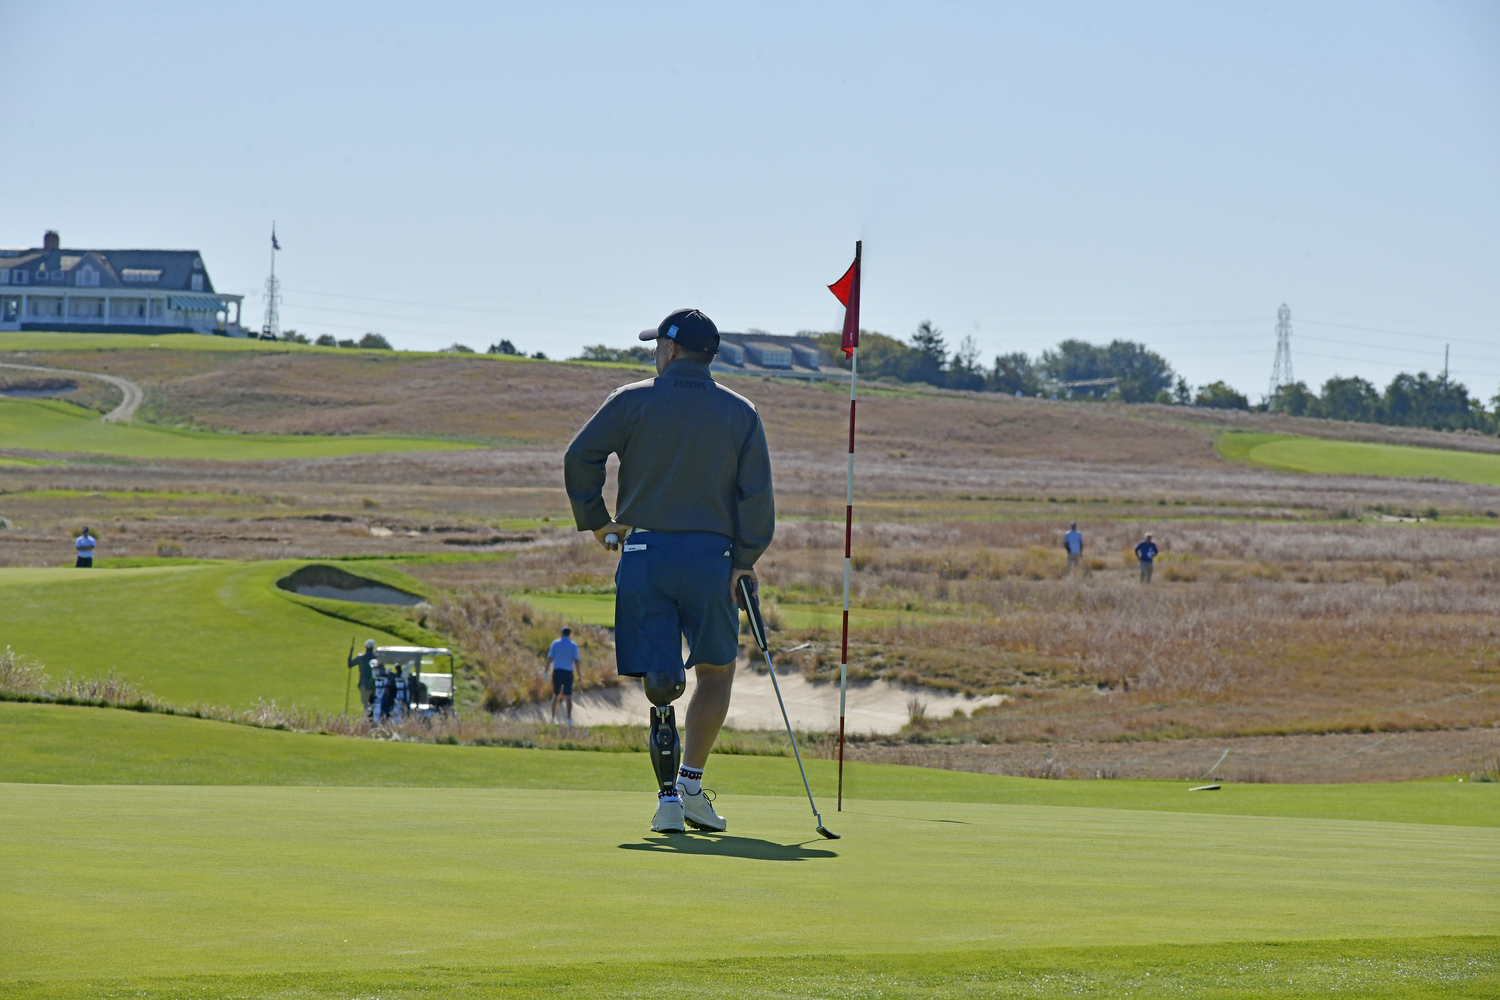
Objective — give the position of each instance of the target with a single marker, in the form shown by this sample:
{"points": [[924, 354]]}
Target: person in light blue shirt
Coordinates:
{"points": [[563, 659], [84, 546], [1073, 545]]}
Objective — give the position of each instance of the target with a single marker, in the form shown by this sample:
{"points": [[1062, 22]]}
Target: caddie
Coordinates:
{"points": [[694, 512]]}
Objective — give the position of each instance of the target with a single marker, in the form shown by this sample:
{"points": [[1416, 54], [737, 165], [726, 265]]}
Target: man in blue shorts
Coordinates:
{"points": [[694, 512], [562, 657]]}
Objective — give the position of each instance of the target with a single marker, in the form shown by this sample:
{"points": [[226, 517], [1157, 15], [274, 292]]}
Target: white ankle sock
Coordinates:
{"points": [[691, 779]]}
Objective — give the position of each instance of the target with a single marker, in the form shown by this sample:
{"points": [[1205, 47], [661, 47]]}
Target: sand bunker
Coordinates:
{"points": [[874, 707]]}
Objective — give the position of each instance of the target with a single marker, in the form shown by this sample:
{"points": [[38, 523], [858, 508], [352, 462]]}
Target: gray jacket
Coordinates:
{"points": [[692, 458]]}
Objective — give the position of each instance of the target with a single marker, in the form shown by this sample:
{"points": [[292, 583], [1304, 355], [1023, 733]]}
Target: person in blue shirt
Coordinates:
{"points": [[1145, 552], [84, 545], [1073, 545], [562, 658]]}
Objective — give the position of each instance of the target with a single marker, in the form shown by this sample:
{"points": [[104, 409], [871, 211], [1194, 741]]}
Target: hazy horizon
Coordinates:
{"points": [[565, 176]]}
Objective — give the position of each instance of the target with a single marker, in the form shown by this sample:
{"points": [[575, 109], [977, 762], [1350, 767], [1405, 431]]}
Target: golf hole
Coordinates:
{"points": [[335, 584]]}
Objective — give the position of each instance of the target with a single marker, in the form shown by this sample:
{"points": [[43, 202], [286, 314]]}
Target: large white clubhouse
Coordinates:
{"points": [[112, 291]]}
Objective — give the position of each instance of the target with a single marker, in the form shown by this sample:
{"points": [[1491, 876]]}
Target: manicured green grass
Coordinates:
{"points": [[205, 633], [1411, 968], [95, 746], [1357, 458], [55, 426], [119, 881]]}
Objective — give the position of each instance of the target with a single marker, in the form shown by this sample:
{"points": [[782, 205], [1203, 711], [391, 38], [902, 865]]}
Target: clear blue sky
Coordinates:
{"points": [[562, 175]]}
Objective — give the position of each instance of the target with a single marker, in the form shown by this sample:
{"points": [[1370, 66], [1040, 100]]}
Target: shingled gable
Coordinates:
{"points": [[54, 288]]}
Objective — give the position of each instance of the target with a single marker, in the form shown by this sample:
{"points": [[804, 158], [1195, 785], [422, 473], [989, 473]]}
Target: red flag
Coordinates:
{"points": [[846, 290]]}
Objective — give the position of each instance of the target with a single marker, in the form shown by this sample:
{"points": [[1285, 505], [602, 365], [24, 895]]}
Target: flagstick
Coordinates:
{"points": [[848, 537], [848, 514]]}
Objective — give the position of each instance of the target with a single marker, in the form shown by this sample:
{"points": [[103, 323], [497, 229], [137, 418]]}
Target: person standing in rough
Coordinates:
{"points": [[1073, 545], [83, 545], [695, 510], [1146, 552]]}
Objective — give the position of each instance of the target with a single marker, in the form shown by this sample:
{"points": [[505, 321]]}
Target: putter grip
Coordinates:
{"points": [[752, 608]]}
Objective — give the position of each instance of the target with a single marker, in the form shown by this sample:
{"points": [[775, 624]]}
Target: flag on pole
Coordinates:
{"points": [[274, 244], [846, 290]]}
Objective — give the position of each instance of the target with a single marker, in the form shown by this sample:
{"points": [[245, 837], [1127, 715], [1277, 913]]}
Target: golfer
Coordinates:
{"points": [[84, 546], [695, 511], [366, 662], [1146, 552], [1073, 545], [562, 657]]}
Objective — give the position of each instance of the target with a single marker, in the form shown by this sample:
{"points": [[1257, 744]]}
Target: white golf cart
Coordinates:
{"points": [[427, 691]]}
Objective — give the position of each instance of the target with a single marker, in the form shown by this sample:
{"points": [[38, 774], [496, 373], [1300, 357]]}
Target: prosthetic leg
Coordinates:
{"points": [[665, 746]]}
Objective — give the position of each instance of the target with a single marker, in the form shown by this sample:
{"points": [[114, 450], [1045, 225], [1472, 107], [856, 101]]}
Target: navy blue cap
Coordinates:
{"points": [[690, 328]]}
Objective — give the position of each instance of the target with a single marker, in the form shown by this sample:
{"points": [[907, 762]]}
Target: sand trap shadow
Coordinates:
{"points": [[729, 847]]}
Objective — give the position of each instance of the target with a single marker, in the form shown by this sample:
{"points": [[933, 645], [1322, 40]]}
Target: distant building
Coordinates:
{"points": [[757, 353], [112, 291]]}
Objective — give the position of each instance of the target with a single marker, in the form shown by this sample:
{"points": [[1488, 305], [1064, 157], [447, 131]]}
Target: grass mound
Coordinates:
{"points": [[1359, 458]]}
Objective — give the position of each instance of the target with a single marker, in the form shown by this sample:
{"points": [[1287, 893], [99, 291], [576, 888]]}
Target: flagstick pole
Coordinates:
{"points": [[848, 538]]}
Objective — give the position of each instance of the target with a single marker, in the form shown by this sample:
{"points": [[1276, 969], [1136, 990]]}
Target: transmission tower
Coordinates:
{"points": [[272, 328], [1281, 371]]}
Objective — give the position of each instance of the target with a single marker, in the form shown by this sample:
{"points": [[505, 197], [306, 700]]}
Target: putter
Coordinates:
{"points": [[758, 629]]}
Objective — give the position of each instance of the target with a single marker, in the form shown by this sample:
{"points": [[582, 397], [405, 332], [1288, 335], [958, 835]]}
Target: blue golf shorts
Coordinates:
{"points": [[562, 682], [670, 585]]}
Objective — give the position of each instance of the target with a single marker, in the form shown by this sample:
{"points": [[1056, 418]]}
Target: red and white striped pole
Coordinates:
{"points": [[847, 291]]}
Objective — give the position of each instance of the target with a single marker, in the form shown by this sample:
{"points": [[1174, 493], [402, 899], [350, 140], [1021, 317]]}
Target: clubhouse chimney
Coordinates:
{"points": [[50, 240]]}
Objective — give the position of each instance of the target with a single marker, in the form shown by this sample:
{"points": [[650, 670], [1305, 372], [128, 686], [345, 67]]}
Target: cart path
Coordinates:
{"points": [[125, 411]]}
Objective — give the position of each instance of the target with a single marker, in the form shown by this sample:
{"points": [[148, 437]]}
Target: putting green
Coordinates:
{"points": [[200, 880], [1357, 458], [208, 633], [54, 426]]}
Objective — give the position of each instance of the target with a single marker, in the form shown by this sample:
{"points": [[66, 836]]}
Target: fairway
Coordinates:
{"points": [[1358, 458], [55, 426], [209, 633]]}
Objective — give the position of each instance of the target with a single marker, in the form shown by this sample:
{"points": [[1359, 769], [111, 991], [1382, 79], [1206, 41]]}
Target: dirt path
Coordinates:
{"points": [[124, 412]]}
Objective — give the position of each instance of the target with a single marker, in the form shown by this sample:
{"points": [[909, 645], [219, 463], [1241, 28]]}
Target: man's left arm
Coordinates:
{"points": [[583, 464]]}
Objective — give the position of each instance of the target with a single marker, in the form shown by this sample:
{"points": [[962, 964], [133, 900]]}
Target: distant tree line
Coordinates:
{"points": [[1125, 371], [1409, 401]]}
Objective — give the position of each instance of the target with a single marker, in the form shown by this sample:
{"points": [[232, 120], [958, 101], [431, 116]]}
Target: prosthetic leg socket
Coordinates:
{"points": [[664, 745]]}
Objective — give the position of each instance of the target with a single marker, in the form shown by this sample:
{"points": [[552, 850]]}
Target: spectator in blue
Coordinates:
{"points": [[84, 545], [1145, 552], [562, 657], [1073, 545]]}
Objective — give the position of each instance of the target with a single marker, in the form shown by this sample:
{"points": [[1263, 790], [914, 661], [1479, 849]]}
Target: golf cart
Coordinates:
{"points": [[427, 691]]}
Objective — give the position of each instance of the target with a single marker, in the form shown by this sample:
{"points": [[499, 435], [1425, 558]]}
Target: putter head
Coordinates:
{"points": [[827, 833]]}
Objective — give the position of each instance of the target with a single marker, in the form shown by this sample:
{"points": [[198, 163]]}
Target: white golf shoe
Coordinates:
{"points": [[698, 810], [668, 817]]}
